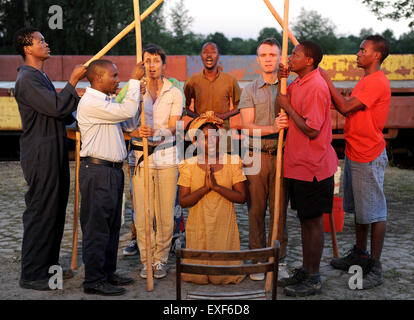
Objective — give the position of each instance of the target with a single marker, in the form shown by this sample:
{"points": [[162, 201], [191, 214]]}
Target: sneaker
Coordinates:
{"points": [[373, 278], [143, 272], [355, 256], [257, 276], [282, 273], [299, 274], [131, 249], [178, 241], [309, 286], [160, 270]]}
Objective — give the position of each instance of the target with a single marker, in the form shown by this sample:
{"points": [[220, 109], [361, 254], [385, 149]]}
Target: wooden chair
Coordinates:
{"points": [[271, 254]]}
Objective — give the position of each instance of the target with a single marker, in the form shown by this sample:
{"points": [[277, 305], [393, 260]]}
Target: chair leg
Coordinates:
{"points": [[178, 275], [275, 273]]}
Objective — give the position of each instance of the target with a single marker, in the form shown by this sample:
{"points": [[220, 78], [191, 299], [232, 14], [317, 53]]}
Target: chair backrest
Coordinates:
{"points": [[271, 254]]}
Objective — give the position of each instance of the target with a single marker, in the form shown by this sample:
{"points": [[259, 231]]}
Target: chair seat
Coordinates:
{"points": [[245, 295]]}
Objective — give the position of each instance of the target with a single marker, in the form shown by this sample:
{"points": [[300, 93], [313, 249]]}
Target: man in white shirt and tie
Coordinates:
{"points": [[101, 121]]}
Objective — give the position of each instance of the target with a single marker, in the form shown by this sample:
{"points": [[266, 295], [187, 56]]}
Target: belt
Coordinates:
{"points": [[269, 152], [151, 149], [105, 163]]}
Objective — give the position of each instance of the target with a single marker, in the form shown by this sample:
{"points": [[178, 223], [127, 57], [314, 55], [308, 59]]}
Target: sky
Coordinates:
{"points": [[245, 18]]}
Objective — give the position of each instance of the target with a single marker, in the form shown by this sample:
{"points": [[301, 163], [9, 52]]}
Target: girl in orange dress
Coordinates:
{"points": [[209, 184]]}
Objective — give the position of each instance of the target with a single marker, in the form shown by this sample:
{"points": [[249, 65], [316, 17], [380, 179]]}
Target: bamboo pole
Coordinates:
{"points": [[279, 19], [74, 265], [124, 32], [150, 280], [283, 90]]}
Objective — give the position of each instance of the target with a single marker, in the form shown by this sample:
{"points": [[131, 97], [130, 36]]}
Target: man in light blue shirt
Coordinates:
{"points": [[101, 177]]}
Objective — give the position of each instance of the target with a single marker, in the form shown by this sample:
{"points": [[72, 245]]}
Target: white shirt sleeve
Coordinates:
{"points": [[94, 110], [132, 123]]}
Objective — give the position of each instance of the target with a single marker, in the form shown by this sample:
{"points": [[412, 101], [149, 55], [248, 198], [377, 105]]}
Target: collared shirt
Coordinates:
{"points": [[169, 103], [212, 95], [262, 96], [363, 128], [101, 121], [307, 158]]}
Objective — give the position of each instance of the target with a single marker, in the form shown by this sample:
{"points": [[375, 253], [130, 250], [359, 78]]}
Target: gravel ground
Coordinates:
{"points": [[397, 259]]}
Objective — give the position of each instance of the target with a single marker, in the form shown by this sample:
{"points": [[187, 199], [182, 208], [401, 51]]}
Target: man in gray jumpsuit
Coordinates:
{"points": [[43, 157]]}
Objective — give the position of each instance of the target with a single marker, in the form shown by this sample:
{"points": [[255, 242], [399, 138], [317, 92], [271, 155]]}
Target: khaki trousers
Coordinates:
{"points": [[261, 194], [162, 192]]}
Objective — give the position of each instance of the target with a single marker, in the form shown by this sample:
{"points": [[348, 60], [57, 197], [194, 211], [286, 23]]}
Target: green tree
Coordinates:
{"points": [[87, 25], [239, 46], [251, 46], [153, 29], [312, 26], [180, 20], [8, 26], [392, 41], [406, 42], [348, 45], [194, 42], [365, 33], [180, 38], [270, 33], [395, 10], [221, 41]]}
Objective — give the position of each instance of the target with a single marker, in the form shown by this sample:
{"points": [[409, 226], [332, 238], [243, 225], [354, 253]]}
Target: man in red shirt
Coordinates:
{"points": [[310, 162], [365, 158]]}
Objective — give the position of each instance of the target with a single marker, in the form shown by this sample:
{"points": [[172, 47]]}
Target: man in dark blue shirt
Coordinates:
{"points": [[43, 157]]}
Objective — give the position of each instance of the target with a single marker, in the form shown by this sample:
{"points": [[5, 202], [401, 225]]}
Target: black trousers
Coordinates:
{"points": [[46, 170], [100, 216]]}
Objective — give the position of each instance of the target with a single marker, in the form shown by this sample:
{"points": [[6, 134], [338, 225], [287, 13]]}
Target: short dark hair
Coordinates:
{"points": [[23, 38], [155, 50], [95, 66], [208, 43], [312, 50], [381, 45], [269, 41]]}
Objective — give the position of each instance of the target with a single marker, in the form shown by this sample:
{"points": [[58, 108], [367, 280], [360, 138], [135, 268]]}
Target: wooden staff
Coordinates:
{"points": [[76, 208], [279, 19], [278, 185], [124, 32], [150, 281], [333, 234]]}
